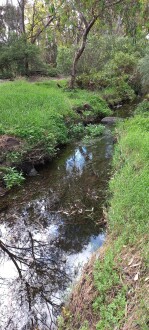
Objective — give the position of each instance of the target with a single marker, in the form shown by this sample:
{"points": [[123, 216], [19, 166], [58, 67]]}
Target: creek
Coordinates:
{"points": [[49, 229]]}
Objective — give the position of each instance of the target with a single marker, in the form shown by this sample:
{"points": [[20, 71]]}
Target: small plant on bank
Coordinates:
{"points": [[13, 178], [77, 131], [143, 108], [94, 130], [85, 326]]}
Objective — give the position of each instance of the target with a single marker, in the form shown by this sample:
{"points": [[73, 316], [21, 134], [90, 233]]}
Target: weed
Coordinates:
{"points": [[85, 326], [13, 177], [94, 130], [77, 131]]}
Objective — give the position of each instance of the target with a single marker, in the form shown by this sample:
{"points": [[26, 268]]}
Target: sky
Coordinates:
{"points": [[2, 2]]}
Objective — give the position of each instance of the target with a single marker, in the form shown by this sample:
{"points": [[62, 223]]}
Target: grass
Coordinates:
{"points": [[128, 219], [40, 110], [33, 111], [42, 114], [120, 277]]}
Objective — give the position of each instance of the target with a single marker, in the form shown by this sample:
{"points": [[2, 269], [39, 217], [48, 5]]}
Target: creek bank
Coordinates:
{"points": [[36, 120], [113, 291]]}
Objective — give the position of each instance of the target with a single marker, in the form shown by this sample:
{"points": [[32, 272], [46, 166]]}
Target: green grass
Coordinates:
{"points": [[130, 183], [34, 111], [128, 220], [42, 115], [39, 111]]}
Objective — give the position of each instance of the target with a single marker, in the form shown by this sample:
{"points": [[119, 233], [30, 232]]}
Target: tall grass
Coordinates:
{"points": [[128, 219], [40, 111]]}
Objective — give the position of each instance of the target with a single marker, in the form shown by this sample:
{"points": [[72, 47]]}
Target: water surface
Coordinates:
{"points": [[50, 229]]}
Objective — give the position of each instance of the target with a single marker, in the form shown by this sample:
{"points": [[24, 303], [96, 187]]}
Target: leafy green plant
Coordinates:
{"points": [[77, 131], [143, 108], [64, 59], [94, 130], [85, 326], [13, 177], [144, 71]]}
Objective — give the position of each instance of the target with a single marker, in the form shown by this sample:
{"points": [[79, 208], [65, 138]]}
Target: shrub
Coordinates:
{"points": [[64, 59], [13, 177], [143, 108], [94, 130], [77, 131], [144, 71], [19, 57]]}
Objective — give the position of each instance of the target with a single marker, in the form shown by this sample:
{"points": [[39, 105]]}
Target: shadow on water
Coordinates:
{"points": [[51, 227]]}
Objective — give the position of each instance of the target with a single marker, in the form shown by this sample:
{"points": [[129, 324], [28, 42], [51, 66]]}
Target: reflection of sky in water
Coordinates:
{"points": [[109, 151], [78, 260], [78, 160], [44, 219]]}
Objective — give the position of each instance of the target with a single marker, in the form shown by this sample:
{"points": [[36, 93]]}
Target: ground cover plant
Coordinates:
{"points": [[113, 292], [128, 222], [38, 117]]}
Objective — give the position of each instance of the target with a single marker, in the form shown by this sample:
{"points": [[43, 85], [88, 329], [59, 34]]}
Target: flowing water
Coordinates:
{"points": [[48, 231]]}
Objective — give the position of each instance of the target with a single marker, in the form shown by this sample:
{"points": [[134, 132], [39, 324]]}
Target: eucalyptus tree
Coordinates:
{"points": [[87, 13], [98, 14]]}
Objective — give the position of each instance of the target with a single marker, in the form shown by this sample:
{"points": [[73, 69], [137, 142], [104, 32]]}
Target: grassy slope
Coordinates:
{"points": [[119, 298], [40, 114], [39, 110]]}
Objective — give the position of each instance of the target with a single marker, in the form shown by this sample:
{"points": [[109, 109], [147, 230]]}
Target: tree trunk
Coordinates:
{"points": [[80, 51]]}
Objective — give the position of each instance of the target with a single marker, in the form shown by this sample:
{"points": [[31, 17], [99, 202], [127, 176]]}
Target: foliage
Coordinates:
{"points": [[143, 108], [118, 49], [128, 223], [94, 130], [77, 131], [107, 280], [114, 80], [42, 113], [20, 57], [130, 184], [64, 59], [144, 71], [85, 326], [12, 177], [50, 71], [89, 102]]}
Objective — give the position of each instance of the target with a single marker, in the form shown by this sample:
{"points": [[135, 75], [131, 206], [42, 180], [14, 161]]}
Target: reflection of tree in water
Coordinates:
{"points": [[78, 160], [43, 235], [34, 284]]}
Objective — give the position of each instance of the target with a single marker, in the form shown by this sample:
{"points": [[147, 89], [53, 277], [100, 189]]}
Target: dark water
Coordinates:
{"points": [[51, 227], [49, 230]]}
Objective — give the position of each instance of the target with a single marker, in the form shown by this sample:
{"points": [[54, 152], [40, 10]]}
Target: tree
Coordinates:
{"points": [[90, 12]]}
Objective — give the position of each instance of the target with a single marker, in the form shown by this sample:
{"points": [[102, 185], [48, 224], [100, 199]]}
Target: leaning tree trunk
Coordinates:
{"points": [[80, 51]]}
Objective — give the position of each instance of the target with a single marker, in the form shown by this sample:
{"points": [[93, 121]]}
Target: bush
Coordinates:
{"points": [[144, 71], [64, 59], [94, 130], [19, 57], [13, 177], [143, 108]]}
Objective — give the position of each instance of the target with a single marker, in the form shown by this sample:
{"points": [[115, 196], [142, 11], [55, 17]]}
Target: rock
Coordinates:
{"points": [[110, 120], [33, 172], [63, 259]]}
